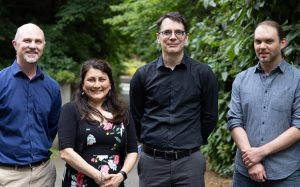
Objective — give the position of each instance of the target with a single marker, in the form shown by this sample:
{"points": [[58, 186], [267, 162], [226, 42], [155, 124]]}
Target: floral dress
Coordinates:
{"points": [[102, 150], [103, 146]]}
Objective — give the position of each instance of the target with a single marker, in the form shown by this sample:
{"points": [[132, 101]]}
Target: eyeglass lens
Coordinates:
{"points": [[168, 33]]}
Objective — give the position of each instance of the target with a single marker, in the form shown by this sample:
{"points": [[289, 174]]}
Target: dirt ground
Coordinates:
{"points": [[214, 180]]}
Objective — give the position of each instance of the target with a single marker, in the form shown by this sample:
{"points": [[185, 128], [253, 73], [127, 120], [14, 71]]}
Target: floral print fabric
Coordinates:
{"points": [[101, 138]]}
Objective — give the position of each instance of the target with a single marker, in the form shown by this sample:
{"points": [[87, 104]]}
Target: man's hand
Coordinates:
{"points": [[252, 156], [257, 173]]}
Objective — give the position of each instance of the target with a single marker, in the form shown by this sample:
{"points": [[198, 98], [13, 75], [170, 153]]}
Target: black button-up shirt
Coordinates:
{"points": [[174, 109]]}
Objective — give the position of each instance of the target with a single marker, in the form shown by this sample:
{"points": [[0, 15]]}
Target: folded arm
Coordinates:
{"points": [[256, 171], [254, 155]]}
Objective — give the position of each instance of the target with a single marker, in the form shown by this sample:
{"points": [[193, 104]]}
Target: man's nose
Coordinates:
{"points": [[32, 44], [262, 45], [173, 36]]}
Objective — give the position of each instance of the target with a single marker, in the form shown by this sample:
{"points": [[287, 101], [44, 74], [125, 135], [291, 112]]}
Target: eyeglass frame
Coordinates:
{"points": [[177, 33]]}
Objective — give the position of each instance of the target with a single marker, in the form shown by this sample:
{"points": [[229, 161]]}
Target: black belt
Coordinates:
{"points": [[31, 165], [169, 154]]}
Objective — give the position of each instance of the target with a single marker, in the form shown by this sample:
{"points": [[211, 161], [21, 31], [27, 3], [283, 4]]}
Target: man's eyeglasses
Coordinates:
{"points": [[168, 33]]}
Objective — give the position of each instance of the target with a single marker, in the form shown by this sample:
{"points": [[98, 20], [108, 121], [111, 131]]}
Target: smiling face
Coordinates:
{"points": [[29, 44], [96, 85], [173, 44], [267, 44]]}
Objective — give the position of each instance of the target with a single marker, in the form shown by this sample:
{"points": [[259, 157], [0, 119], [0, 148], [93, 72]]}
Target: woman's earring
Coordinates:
{"points": [[82, 93]]}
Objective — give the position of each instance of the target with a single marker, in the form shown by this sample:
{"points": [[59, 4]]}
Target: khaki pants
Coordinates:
{"points": [[43, 175]]}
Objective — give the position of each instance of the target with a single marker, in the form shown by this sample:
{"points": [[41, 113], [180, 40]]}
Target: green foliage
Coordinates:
{"points": [[131, 65], [136, 20], [55, 153], [87, 37], [221, 148], [64, 76], [6, 37], [74, 30], [224, 39]]}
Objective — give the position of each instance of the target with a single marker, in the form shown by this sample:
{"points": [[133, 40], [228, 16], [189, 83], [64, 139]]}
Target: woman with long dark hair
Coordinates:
{"points": [[96, 134]]}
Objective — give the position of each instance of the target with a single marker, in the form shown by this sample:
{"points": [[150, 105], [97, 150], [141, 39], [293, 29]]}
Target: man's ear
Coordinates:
{"points": [[157, 38], [186, 41], [14, 43], [283, 43]]}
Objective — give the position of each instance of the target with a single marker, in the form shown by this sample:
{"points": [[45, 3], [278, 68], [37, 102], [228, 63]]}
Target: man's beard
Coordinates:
{"points": [[31, 59]]}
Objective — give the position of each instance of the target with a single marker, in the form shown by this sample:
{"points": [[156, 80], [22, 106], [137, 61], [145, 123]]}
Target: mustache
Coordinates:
{"points": [[31, 51]]}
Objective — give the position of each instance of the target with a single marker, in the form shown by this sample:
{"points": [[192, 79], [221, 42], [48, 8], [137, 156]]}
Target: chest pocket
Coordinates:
{"points": [[281, 102]]}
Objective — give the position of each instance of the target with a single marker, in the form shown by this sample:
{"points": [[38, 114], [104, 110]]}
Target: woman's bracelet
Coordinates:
{"points": [[101, 177]]}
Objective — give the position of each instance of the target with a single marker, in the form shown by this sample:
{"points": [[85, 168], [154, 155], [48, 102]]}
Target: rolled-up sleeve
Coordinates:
{"points": [[296, 107], [235, 114]]}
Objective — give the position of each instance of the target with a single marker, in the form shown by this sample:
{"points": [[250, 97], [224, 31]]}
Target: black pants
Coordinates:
{"points": [[185, 172]]}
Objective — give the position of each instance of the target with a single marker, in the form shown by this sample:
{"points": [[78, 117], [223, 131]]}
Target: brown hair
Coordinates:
{"points": [[174, 16]]}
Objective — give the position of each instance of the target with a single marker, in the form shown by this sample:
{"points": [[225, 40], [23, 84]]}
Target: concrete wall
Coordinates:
{"points": [[65, 93]]}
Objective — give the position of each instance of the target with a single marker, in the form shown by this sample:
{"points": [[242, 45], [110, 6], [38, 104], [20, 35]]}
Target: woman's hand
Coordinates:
{"points": [[101, 178], [114, 180]]}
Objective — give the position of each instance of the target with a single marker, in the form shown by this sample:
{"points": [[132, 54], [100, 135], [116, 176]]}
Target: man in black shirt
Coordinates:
{"points": [[173, 100]]}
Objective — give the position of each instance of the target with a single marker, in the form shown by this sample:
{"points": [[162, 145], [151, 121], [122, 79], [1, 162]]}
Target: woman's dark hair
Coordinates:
{"points": [[112, 102], [280, 31], [174, 16]]}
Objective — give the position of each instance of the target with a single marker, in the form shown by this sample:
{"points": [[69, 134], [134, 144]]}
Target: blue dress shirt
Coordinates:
{"points": [[266, 106], [29, 113]]}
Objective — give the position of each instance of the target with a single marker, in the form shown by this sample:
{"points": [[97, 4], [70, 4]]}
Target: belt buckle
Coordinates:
{"points": [[171, 153]]}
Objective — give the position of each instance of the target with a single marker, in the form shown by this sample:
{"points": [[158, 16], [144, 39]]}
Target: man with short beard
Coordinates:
{"points": [[30, 104], [264, 115]]}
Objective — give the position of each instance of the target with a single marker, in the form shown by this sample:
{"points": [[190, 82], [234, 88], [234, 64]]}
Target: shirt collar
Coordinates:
{"points": [[280, 68], [184, 62], [16, 70]]}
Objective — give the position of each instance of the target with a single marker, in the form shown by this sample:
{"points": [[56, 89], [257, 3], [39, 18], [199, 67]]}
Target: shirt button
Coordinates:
{"points": [[262, 139], [263, 122], [266, 91], [264, 107]]}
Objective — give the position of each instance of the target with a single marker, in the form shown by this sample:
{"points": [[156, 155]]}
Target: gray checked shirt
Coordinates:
{"points": [[265, 106]]}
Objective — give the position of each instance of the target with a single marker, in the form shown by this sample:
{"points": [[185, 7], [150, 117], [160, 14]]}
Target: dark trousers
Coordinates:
{"points": [[185, 172], [293, 180]]}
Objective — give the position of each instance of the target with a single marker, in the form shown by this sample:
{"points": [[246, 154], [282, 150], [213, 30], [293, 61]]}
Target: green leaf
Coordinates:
{"points": [[224, 76]]}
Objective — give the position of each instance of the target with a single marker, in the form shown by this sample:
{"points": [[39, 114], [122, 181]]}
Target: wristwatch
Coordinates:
{"points": [[124, 174]]}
